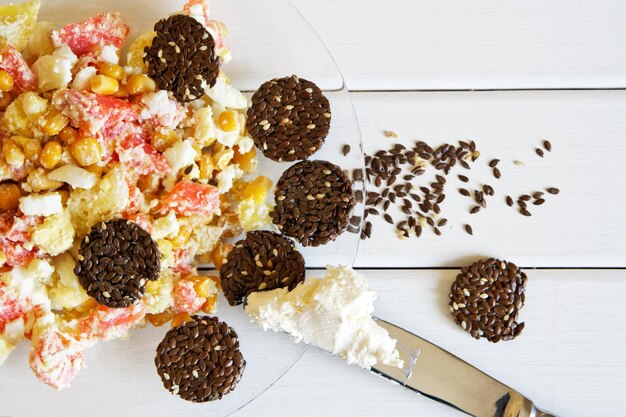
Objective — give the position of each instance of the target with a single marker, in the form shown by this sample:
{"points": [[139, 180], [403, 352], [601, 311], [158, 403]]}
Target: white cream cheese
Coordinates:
{"points": [[333, 312]]}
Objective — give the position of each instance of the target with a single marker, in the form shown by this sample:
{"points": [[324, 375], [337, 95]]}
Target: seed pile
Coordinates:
{"points": [[116, 260], [485, 299], [313, 202], [262, 261], [182, 57], [289, 118], [200, 360], [392, 177], [396, 171]]}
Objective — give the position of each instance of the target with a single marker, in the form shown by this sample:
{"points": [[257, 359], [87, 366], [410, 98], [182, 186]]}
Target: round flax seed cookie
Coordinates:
{"points": [[313, 202], [289, 119]]}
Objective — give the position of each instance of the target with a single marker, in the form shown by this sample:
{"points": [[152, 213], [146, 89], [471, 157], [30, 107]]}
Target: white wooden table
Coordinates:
{"points": [[562, 66]]}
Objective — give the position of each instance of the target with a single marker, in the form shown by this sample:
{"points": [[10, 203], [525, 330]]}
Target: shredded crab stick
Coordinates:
{"points": [[186, 299], [15, 235], [136, 153], [12, 62], [56, 358], [90, 35], [189, 198], [104, 323], [11, 306]]}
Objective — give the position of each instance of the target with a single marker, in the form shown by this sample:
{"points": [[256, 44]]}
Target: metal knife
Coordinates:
{"points": [[437, 374]]}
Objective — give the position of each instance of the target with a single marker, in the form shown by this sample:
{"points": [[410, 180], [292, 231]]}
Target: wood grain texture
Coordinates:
{"points": [[449, 44], [584, 226], [568, 360]]}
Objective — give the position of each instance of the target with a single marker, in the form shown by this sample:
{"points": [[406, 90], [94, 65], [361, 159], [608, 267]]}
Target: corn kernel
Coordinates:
{"points": [[68, 135], [140, 84], [258, 189], [5, 100], [102, 84], [160, 319], [219, 253], [181, 318], [53, 122], [6, 81], [183, 236], [206, 166], [38, 181], [122, 92], [86, 151], [238, 189], [202, 285], [95, 168], [30, 147], [111, 70], [9, 196], [12, 153], [227, 121], [163, 138], [210, 304], [51, 154], [247, 161]]}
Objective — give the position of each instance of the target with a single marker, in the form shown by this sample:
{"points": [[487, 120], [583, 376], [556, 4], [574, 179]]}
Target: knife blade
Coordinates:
{"points": [[437, 374]]}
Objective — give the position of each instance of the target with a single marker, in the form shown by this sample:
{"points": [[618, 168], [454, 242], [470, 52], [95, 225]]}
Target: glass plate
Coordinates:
{"points": [[268, 39]]}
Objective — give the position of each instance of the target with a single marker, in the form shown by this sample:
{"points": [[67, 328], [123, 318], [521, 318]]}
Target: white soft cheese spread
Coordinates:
{"points": [[333, 312]]}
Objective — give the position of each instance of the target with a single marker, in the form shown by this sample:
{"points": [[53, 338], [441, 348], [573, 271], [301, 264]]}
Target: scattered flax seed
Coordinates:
{"points": [[509, 201], [463, 178], [464, 192], [390, 134], [493, 163], [525, 212], [547, 145], [469, 229], [539, 152], [474, 210], [519, 163], [539, 201], [553, 190], [345, 150], [496, 173]]}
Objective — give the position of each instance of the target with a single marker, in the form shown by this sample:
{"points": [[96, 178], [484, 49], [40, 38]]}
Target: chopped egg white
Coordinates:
{"points": [[56, 234], [180, 155], [75, 176], [109, 54], [166, 226], [226, 95], [55, 71], [82, 79], [41, 204]]}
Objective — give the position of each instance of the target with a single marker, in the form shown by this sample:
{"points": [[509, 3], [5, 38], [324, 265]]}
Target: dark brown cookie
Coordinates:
{"points": [[182, 57], [200, 360], [313, 202], [289, 119], [116, 260], [262, 261], [486, 297]]}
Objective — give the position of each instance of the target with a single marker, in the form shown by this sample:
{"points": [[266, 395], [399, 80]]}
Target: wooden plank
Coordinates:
{"points": [[584, 226], [568, 360], [422, 44]]}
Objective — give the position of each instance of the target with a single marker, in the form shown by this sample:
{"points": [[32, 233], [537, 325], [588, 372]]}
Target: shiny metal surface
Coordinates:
{"points": [[443, 377]]}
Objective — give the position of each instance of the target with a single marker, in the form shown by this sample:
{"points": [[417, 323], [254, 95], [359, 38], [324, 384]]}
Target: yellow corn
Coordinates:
{"points": [[183, 236], [227, 121], [12, 153], [163, 138], [5, 100], [258, 189], [86, 151], [102, 84], [140, 84], [206, 166], [53, 122], [181, 318], [247, 161], [111, 70], [38, 181], [122, 92], [9, 196], [6, 81], [160, 319], [30, 147], [68, 135], [51, 154]]}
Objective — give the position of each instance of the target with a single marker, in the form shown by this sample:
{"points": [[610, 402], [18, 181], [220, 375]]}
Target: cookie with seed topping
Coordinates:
{"points": [[200, 360], [314, 201], [262, 261], [182, 57], [486, 297], [289, 118], [116, 259]]}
